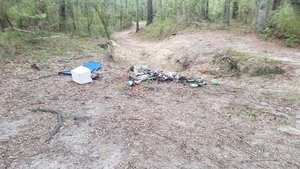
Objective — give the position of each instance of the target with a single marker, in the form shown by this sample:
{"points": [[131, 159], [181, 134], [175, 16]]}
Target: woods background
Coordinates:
{"points": [[40, 18]]}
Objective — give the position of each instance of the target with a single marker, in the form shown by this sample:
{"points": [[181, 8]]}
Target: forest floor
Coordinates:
{"points": [[245, 122]]}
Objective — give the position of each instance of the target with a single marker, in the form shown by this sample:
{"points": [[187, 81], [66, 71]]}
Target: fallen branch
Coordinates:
{"points": [[21, 30], [59, 122], [50, 37]]}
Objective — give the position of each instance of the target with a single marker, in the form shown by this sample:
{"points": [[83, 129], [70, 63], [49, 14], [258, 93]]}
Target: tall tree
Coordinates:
{"points": [[261, 15], [227, 12], [62, 16], [207, 10], [149, 12], [235, 11], [103, 21], [137, 16]]}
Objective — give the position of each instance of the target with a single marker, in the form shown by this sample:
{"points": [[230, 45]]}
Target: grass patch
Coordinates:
{"points": [[240, 88], [121, 87], [243, 57], [160, 29], [15, 44], [290, 122], [65, 114], [243, 111], [244, 63], [294, 97]]}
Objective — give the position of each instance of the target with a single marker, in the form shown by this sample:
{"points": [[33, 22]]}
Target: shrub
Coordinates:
{"points": [[286, 20]]}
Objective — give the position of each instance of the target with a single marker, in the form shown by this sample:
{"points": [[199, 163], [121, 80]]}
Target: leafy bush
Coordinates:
{"points": [[286, 20], [291, 40], [10, 43]]}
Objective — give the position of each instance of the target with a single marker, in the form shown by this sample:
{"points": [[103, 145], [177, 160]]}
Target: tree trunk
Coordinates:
{"points": [[62, 16], [207, 10], [104, 23], [204, 9], [4, 20], [137, 16], [235, 12], [71, 13], [276, 4], [149, 12], [261, 15], [227, 12]]}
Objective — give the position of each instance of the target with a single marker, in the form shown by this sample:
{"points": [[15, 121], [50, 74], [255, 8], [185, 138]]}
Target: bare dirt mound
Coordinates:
{"points": [[246, 122]]}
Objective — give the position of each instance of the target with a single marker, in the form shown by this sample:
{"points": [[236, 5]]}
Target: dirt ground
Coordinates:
{"points": [[245, 122]]}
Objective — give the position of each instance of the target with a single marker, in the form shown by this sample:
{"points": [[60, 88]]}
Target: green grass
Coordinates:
{"points": [[42, 56], [290, 122], [240, 88], [243, 111], [121, 87], [65, 114], [243, 57], [160, 29], [246, 63], [294, 97]]}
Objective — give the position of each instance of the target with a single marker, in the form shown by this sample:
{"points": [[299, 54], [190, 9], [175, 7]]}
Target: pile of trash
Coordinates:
{"points": [[146, 74]]}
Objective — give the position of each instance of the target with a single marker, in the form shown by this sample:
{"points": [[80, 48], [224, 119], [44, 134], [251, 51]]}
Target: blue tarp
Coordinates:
{"points": [[92, 65]]}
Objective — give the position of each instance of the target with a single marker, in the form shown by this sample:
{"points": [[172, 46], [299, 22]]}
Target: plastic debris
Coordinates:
{"points": [[213, 82], [145, 74]]}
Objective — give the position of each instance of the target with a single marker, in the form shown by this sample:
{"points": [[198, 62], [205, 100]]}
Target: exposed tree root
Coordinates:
{"points": [[59, 122]]}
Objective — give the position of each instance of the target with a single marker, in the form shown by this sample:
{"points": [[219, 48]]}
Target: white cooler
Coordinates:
{"points": [[81, 75]]}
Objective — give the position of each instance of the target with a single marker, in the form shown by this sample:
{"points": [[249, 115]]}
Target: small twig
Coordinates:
{"points": [[42, 77], [59, 122], [132, 119], [223, 127], [255, 160], [131, 165]]}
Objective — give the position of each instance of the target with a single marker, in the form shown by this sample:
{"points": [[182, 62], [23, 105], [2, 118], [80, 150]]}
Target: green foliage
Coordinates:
{"points": [[251, 65], [36, 16], [10, 44], [286, 20], [65, 114], [160, 29], [266, 33], [290, 122], [291, 40]]}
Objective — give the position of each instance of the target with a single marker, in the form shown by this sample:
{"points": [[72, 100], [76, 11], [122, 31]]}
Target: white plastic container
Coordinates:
{"points": [[81, 75]]}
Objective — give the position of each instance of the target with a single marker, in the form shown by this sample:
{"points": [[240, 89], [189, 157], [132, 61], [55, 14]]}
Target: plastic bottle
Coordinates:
{"points": [[213, 82]]}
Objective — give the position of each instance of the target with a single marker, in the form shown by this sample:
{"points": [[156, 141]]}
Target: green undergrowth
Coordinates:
{"points": [[243, 57], [23, 46], [160, 29], [254, 65]]}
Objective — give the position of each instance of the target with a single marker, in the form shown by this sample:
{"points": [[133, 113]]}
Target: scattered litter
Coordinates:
{"points": [[145, 74], [213, 82], [92, 65], [35, 66], [94, 75], [84, 73]]}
